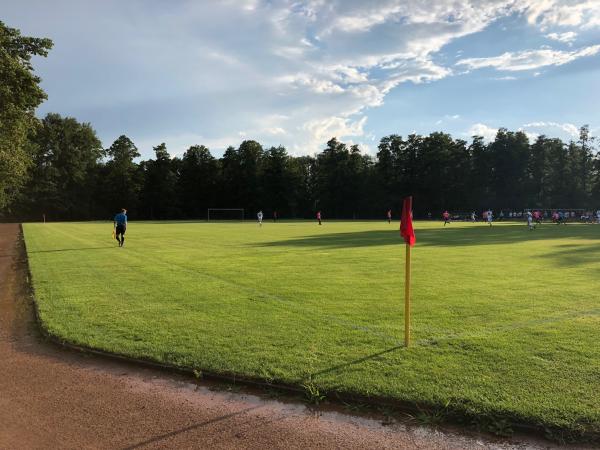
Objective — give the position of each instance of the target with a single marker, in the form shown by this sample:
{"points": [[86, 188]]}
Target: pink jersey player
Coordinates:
{"points": [[446, 217]]}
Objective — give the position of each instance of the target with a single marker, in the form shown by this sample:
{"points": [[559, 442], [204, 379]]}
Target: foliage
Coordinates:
{"points": [[20, 94], [63, 177], [439, 171]]}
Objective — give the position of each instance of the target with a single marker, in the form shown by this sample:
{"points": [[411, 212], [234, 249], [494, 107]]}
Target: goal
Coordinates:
{"points": [[225, 214]]}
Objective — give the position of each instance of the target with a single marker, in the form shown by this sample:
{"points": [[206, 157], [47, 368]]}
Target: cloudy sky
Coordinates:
{"points": [[299, 72]]}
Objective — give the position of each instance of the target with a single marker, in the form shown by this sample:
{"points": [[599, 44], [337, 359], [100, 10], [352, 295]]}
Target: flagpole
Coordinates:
{"points": [[407, 298], [408, 233]]}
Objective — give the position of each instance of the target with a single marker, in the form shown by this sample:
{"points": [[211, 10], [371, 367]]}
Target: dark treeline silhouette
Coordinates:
{"points": [[73, 177]]}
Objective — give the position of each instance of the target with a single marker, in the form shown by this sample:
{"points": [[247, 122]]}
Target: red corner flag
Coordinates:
{"points": [[406, 226]]}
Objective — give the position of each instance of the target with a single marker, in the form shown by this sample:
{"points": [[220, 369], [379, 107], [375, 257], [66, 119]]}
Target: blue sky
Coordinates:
{"points": [[298, 72]]}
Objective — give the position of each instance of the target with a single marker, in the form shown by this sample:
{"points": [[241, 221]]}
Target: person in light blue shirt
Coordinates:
{"points": [[120, 224]]}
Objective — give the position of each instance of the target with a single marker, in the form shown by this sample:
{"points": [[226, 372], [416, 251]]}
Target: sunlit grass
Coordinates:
{"points": [[505, 321]]}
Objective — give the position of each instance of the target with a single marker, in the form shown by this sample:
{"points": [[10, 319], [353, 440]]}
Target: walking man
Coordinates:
{"points": [[530, 224], [259, 216], [120, 226], [490, 217]]}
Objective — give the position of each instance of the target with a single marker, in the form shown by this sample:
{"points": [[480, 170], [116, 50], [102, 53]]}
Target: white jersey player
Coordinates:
{"points": [[598, 215], [490, 216], [260, 218], [530, 221]]}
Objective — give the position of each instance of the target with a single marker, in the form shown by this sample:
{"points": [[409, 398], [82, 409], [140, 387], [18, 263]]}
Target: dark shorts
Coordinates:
{"points": [[121, 229]]}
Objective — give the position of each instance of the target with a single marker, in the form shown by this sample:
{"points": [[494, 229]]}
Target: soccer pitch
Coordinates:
{"points": [[506, 322]]}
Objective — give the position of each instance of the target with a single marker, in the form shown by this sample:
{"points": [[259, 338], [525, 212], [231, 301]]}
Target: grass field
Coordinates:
{"points": [[506, 322]]}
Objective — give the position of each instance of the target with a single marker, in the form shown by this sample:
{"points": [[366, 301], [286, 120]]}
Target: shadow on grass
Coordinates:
{"points": [[71, 249], [576, 255], [356, 361], [443, 236]]}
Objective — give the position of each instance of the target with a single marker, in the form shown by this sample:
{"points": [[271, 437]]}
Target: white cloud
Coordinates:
{"points": [[274, 130], [532, 130], [288, 71], [529, 59], [480, 129], [322, 130], [530, 135], [563, 13], [568, 128], [567, 37]]}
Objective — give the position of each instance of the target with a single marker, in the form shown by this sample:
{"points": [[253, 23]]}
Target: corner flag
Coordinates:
{"points": [[406, 226], [408, 233]]}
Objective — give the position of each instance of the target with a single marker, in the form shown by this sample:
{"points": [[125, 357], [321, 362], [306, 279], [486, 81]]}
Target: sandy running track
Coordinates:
{"points": [[54, 398]]}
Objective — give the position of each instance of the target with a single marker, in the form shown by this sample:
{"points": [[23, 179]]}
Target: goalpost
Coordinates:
{"points": [[225, 214]]}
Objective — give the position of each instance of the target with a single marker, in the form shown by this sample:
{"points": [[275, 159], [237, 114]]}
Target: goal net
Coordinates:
{"points": [[225, 214]]}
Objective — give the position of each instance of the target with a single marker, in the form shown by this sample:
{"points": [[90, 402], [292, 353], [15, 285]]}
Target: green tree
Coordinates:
{"points": [[302, 182], [510, 161], [159, 195], [20, 94], [63, 178], [197, 183], [557, 177], [539, 173], [330, 178], [230, 195], [250, 159], [121, 176], [277, 181], [581, 167], [480, 174]]}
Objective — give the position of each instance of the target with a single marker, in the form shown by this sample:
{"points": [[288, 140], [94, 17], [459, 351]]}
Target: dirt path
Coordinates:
{"points": [[53, 398]]}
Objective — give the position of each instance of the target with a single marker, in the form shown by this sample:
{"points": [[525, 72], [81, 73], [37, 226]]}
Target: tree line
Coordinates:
{"points": [[57, 167], [73, 177]]}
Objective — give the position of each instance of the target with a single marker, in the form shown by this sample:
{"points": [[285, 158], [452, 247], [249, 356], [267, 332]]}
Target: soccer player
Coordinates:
{"points": [[490, 216], [120, 226], [274, 216], [473, 217], [260, 218], [501, 215], [530, 224], [319, 217], [389, 216], [446, 217]]}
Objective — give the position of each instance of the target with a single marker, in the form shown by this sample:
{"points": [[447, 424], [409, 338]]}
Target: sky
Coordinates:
{"points": [[298, 72]]}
